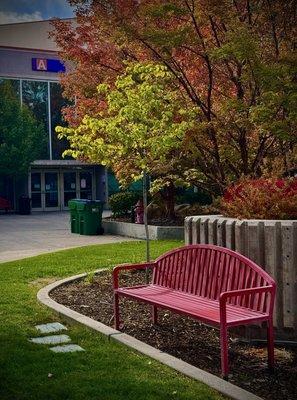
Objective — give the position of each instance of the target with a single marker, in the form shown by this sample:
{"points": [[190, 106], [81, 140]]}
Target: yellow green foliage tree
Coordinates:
{"points": [[142, 126]]}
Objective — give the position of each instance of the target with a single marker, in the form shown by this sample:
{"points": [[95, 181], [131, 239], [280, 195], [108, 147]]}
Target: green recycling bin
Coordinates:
{"points": [[90, 217], [74, 220]]}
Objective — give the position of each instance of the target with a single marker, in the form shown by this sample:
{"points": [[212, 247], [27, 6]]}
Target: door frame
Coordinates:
{"points": [[60, 176], [58, 208], [61, 172], [36, 171], [77, 180], [42, 173]]}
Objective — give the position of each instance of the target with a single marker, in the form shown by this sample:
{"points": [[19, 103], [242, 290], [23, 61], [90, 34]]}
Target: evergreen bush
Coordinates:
{"points": [[121, 203]]}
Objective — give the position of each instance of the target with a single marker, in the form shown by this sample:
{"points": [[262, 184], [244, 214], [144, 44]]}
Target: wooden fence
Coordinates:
{"points": [[271, 244]]}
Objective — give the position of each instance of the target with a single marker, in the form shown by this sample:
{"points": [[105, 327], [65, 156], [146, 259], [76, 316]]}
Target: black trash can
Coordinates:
{"points": [[24, 205]]}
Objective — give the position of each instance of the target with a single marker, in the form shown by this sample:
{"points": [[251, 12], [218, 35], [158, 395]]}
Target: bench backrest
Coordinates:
{"points": [[209, 270]]}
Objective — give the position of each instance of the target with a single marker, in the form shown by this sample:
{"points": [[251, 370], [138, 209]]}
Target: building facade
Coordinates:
{"points": [[29, 61]]}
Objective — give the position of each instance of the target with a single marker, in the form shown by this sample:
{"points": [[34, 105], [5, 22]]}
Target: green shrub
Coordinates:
{"points": [[122, 202]]}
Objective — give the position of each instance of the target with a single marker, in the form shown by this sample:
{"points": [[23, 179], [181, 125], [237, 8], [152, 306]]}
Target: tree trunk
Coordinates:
{"points": [[147, 238], [168, 195]]}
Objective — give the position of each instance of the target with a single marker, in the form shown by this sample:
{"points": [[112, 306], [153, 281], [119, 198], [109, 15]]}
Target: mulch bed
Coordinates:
{"points": [[183, 337], [178, 221]]}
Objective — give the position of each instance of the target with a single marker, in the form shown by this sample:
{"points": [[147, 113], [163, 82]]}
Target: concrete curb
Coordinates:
{"points": [[137, 230], [222, 386]]}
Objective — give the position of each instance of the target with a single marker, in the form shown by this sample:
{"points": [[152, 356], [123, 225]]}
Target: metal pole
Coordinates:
{"points": [[147, 239], [49, 121]]}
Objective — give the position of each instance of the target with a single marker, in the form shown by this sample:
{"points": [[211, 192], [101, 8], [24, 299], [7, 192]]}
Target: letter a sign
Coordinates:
{"points": [[47, 65], [41, 64]]}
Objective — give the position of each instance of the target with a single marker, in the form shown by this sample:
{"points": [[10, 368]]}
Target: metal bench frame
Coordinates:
{"points": [[233, 291]]}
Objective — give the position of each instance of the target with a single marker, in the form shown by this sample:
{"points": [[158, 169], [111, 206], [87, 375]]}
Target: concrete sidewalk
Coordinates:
{"points": [[24, 236]]}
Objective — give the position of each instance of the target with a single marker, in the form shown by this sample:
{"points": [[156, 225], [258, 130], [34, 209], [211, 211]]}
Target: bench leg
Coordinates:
{"points": [[116, 311], [270, 344], [155, 314], [224, 352]]}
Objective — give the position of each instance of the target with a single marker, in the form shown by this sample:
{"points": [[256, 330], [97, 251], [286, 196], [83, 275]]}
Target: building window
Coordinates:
{"points": [[14, 84], [45, 100], [35, 96], [57, 102]]}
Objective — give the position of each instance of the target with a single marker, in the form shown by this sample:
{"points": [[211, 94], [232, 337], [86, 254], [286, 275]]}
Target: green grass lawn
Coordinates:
{"points": [[106, 370]]}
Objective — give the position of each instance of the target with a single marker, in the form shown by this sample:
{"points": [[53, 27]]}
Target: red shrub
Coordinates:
{"points": [[261, 199]]}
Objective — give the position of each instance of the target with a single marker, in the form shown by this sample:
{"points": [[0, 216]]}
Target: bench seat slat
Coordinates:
{"points": [[213, 284], [199, 307]]}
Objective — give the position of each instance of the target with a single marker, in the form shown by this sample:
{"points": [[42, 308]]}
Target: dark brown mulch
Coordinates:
{"points": [[178, 221], [184, 338]]}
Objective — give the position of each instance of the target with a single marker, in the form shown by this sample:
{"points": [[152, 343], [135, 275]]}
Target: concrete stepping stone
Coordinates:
{"points": [[67, 348], [54, 339], [51, 327]]}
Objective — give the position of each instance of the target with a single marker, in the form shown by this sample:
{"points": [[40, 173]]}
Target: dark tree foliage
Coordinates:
{"points": [[22, 138], [234, 60]]}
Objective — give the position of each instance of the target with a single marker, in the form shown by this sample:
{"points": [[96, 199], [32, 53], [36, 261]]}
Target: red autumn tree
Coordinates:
{"points": [[234, 60]]}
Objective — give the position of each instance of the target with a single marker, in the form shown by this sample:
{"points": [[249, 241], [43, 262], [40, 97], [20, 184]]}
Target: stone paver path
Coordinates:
{"points": [[67, 348], [55, 339], [50, 327]]}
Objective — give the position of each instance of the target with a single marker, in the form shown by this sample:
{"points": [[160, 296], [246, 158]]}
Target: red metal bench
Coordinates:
{"points": [[210, 283], [5, 204]]}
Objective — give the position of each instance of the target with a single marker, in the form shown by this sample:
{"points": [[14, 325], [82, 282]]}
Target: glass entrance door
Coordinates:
{"points": [[69, 189], [76, 185], [36, 191], [45, 191], [85, 180], [51, 191]]}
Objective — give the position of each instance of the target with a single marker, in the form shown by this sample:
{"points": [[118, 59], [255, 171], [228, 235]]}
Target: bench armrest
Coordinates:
{"points": [[245, 292], [123, 267]]}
